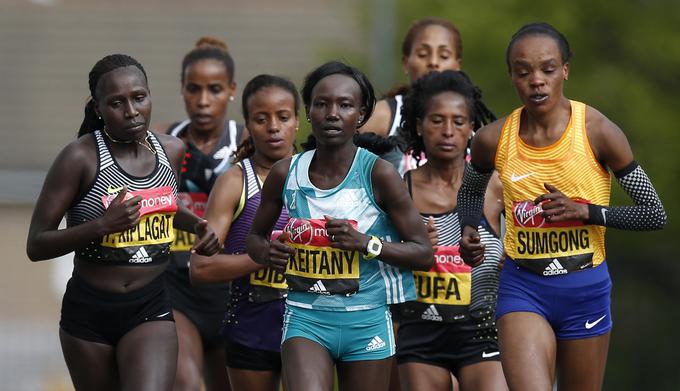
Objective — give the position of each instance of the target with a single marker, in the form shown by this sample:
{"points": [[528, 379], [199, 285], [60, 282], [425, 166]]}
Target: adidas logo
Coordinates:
{"points": [[375, 344], [319, 288], [431, 314], [554, 268], [141, 256]]}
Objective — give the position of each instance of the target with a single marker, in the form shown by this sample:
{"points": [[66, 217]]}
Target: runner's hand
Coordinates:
{"points": [[280, 252], [342, 235], [558, 207], [432, 232], [471, 247], [121, 214], [206, 243]]}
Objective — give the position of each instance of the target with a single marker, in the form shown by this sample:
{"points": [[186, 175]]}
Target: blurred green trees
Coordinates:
{"points": [[627, 65]]}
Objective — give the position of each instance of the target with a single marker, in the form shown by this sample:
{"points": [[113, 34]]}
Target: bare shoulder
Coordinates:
{"points": [[379, 123], [485, 144], [232, 177], [607, 140], [173, 145]]}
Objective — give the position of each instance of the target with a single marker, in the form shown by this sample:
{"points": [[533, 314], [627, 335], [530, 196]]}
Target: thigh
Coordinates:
{"points": [[92, 365], [247, 380], [306, 365], [190, 354], [420, 376], [485, 375], [528, 350], [581, 363], [215, 370], [147, 357], [368, 375]]}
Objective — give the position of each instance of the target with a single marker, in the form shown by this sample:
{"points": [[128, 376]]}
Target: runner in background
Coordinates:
{"points": [[117, 186], [207, 88], [554, 156], [254, 319], [353, 233], [449, 328], [430, 45]]}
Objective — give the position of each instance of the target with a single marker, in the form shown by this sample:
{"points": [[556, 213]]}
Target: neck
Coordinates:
{"points": [[203, 139], [548, 121], [447, 171], [337, 158]]}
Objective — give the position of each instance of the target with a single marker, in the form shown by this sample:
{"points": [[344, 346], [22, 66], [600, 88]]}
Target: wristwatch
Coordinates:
{"points": [[374, 247]]}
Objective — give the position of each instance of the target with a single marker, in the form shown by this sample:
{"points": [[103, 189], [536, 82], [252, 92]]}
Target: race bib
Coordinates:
{"points": [[448, 282], [317, 267], [548, 248], [157, 212], [267, 284], [195, 202]]}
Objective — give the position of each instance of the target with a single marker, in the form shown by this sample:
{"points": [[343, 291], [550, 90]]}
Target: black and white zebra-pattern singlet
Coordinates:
{"points": [[485, 276], [109, 180]]}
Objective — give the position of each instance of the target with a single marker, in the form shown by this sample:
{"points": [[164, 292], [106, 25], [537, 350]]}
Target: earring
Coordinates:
{"points": [[309, 119], [231, 98]]}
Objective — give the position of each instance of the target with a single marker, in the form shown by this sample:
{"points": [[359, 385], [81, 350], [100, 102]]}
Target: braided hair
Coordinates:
{"points": [[91, 121], [417, 102]]}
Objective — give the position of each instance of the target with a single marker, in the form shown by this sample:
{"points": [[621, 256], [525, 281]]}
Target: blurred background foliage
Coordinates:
{"points": [[626, 64]]}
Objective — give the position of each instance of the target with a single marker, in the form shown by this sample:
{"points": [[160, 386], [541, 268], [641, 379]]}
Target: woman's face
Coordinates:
{"points": [[432, 50], [446, 126], [206, 91], [537, 72], [272, 122], [124, 103], [335, 109]]}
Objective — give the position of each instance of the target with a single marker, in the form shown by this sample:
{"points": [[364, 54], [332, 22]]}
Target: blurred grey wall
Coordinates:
{"points": [[47, 48]]}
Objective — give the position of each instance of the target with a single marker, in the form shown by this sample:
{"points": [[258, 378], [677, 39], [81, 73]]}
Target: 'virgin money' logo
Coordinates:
{"points": [[526, 214], [300, 231]]}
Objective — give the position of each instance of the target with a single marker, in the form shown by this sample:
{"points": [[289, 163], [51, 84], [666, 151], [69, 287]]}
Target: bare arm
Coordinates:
{"points": [[222, 203], [611, 148], [258, 244], [472, 191], [70, 173], [185, 219], [415, 250]]}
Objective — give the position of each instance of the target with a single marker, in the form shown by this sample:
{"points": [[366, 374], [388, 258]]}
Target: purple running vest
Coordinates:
{"points": [[254, 315]]}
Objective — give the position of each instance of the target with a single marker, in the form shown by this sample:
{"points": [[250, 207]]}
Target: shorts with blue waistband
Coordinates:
{"points": [[346, 335], [577, 305]]}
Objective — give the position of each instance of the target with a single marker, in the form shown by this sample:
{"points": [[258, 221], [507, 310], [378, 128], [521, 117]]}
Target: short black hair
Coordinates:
{"points": [[337, 67], [91, 121], [533, 29]]}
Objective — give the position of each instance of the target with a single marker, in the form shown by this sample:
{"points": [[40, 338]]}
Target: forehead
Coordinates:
{"points": [[447, 102], [433, 35], [271, 96], [208, 68], [337, 85], [120, 80], [535, 48]]}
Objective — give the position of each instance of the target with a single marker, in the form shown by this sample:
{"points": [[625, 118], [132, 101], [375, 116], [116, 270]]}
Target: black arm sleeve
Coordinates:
{"points": [[648, 213], [471, 196]]}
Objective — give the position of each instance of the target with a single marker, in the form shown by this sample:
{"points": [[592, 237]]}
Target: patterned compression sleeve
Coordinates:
{"points": [[648, 213], [471, 196]]}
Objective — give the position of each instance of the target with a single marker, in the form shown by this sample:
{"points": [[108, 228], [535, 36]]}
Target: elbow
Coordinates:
{"points": [[33, 252], [662, 219]]}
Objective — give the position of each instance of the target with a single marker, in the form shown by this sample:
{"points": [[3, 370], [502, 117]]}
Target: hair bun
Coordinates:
{"points": [[208, 42]]}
